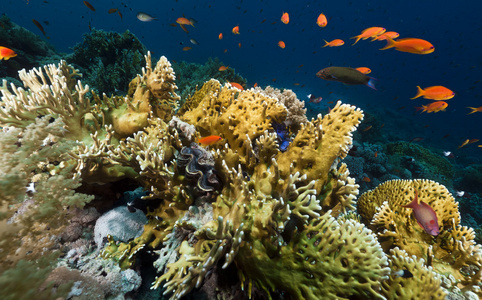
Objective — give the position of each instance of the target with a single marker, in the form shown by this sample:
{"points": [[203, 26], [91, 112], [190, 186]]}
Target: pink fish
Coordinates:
{"points": [[425, 216]]}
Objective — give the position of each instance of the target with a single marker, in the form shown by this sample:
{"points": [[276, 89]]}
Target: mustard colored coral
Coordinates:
{"points": [[453, 251]]}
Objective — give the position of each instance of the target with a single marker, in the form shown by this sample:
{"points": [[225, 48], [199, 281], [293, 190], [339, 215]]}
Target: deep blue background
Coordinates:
{"points": [[453, 27]]}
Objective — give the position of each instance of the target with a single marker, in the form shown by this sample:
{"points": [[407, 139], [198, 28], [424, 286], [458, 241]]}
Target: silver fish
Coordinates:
{"points": [[144, 17], [194, 42]]}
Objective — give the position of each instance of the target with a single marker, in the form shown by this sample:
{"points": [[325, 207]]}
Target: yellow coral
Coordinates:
{"points": [[424, 284], [452, 251], [239, 117]]}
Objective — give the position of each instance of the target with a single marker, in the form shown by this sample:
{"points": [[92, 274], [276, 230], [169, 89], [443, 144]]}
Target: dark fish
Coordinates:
{"points": [[314, 99], [89, 6], [346, 75], [39, 26], [403, 273]]}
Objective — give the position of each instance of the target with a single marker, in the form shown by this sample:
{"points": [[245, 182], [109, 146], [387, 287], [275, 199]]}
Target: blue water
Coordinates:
{"points": [[453, 29]]}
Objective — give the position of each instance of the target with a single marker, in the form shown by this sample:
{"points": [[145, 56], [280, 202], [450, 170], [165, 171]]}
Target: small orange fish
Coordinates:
{"points": [[184, 21], [466, 142], [186, 48], [236, 29], [473, 141], [239, 45], [285, 18], [281, 44], [410, 45], [376, 154], [119, 13], [237, 85], [475, 109], [255, 84], [367, 128], [434, 93], [225, 50], [89, 6], [364, 70], [112, 10], [369, 33], [209, 140], [435, 107], [223, 68], [334, 43], [6, 53], [220, 36], [383, 36], [366, 179], [321, 20]]}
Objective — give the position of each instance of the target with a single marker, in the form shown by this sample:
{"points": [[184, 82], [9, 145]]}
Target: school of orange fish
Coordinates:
{"points": [[438, 94]]}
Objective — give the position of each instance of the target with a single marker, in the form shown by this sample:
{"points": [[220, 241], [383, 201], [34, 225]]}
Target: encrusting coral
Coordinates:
{"points": [[453, 251], [279, 219]]}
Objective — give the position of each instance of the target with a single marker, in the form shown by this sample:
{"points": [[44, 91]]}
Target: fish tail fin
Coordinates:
{"points": [[390, 44], [419, 93], [357, 39], [371, 83], [424, 107], [326, 44], [473, 110]]}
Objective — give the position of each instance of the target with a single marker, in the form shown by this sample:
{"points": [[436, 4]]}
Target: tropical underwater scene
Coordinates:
{"points": [[240, 150]]}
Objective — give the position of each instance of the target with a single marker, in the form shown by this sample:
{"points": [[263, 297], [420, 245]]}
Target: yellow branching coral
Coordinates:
{"points": [[423, 284], [239, 117], [452, 251]]}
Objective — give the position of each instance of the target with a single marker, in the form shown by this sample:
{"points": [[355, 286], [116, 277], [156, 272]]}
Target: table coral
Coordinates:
{"points": [[452, 251]]}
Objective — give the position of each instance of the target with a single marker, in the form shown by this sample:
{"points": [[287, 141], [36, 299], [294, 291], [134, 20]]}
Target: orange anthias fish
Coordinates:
{"points": [[209, 140], [425, 215], [89, 6], [223, 68], [369, 33], [186, 48], [410, 45], [112, 10], [184, 21], [285, 18], [364, 70], [475, 109], [236, 29], [434, 93], [6, 53], [334, 43], [435, 107], [220, 36], [237, 85], [383, 36], [466, 142], [321, 20], [281, 44]]}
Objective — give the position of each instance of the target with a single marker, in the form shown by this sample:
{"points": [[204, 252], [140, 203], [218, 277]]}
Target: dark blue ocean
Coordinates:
{"points": [[453, 29]]}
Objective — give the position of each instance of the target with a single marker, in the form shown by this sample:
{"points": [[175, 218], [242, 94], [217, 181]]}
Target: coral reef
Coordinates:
{"points": [[278, 220], [191, 76], [111, 59], [420, 161], [453, 251]]}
